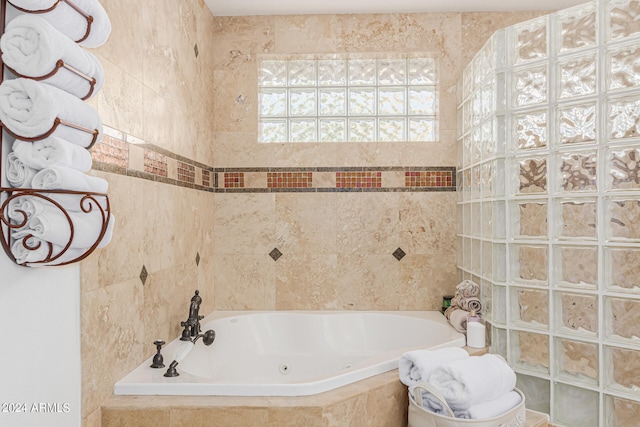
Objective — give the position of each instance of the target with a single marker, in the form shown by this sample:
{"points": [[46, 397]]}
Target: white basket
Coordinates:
{"points": [[421, 417]]}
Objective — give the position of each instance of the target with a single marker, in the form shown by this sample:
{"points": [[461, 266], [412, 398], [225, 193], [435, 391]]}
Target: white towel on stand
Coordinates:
{"points": [[29, 109], [63, 178], [68, 21], [18, 174], [32, 47], [52, 151], [38, 250], [53, 226], [416, 365], [474, 380]]}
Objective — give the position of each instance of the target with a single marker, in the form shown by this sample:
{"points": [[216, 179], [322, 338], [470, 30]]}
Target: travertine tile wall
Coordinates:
{"points": [[337, 247], [156, 92], [184, 83]]}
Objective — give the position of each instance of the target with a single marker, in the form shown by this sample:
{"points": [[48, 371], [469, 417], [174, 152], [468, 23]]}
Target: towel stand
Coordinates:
{"points": [[60, 64], [88, 202], [72, 5]]}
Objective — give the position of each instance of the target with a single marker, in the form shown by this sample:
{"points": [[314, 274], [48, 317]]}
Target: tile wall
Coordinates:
{"points": [[189, 184], [549, 113]]}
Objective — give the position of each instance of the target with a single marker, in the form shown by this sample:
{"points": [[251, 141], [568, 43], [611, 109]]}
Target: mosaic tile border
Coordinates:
{"points": [[336, 179], [124, 154], [127, 155]]}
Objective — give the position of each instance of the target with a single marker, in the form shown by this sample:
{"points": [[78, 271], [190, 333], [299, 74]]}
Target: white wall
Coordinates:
{"points": [[40, 351]]}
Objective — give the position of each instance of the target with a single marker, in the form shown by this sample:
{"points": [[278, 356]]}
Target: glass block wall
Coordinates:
{"points": [[549, 206]]}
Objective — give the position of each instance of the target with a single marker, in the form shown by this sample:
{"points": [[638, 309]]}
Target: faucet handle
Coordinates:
{"points": [[158, 361]]}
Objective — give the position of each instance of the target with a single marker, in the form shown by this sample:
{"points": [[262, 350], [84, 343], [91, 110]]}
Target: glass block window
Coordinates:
{"points": [[345, 98]]}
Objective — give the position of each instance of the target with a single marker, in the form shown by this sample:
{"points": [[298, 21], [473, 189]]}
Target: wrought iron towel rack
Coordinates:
{"points": [[88, 202]]}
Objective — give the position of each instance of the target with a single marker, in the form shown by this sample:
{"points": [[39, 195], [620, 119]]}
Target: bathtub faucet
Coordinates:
{"points": [[207, 338], [192, 324]]}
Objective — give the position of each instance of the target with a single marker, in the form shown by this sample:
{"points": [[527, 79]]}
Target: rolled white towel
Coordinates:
{"points": [[68, 21], [474, 380], [416, 366], [468, 288], [491, 408], [23, 207], [63, 178], [18, 174], [52, 151], [53, 226], [458, 318], [79, 202], [470, 304], [29, 109], [37, 250], [32, 47]]}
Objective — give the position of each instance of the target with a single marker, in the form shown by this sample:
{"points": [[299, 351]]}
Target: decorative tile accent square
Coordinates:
{"points": [[234, 180], [428, 179], [155, 163], [186, 172], [112, 151], [143, 275], [289, 179], [399, 254], [358, 179], [275, 254], [206, 178]]}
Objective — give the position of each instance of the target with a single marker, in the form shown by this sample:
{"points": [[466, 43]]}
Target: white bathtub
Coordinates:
{"points": [[284, 353]]}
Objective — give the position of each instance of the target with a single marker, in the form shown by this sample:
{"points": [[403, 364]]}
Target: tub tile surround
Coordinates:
{"points": [[564, 263], [380, 401], [376, 401], [118, 153]]}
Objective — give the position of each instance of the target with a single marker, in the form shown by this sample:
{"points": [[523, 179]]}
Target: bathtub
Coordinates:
{"points": [[286, 353]]}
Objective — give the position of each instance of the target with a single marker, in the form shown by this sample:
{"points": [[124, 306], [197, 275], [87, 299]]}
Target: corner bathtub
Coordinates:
{"points": [[287, 353]]}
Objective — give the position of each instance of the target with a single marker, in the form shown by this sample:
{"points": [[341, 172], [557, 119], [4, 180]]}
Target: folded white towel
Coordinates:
{"points": [[70, 22], [32, 47], [473, 380], [52, 151], [468, 288], [37, 250], [53, 226], [492, 408], [63, 178], [29, 109], [18, 174], [416, 366]]}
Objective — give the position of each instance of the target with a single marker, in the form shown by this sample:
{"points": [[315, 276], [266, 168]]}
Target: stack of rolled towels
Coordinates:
{"points": [[474, 387], [463, 303], [43, 108]]}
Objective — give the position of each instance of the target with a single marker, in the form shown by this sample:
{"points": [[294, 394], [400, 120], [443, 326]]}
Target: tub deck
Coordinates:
{"points": [[379, 401]]}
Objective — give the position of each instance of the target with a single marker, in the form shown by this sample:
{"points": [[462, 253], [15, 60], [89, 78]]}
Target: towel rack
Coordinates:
{"points": [[88, 202], [72, 5], [60, 64]]}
